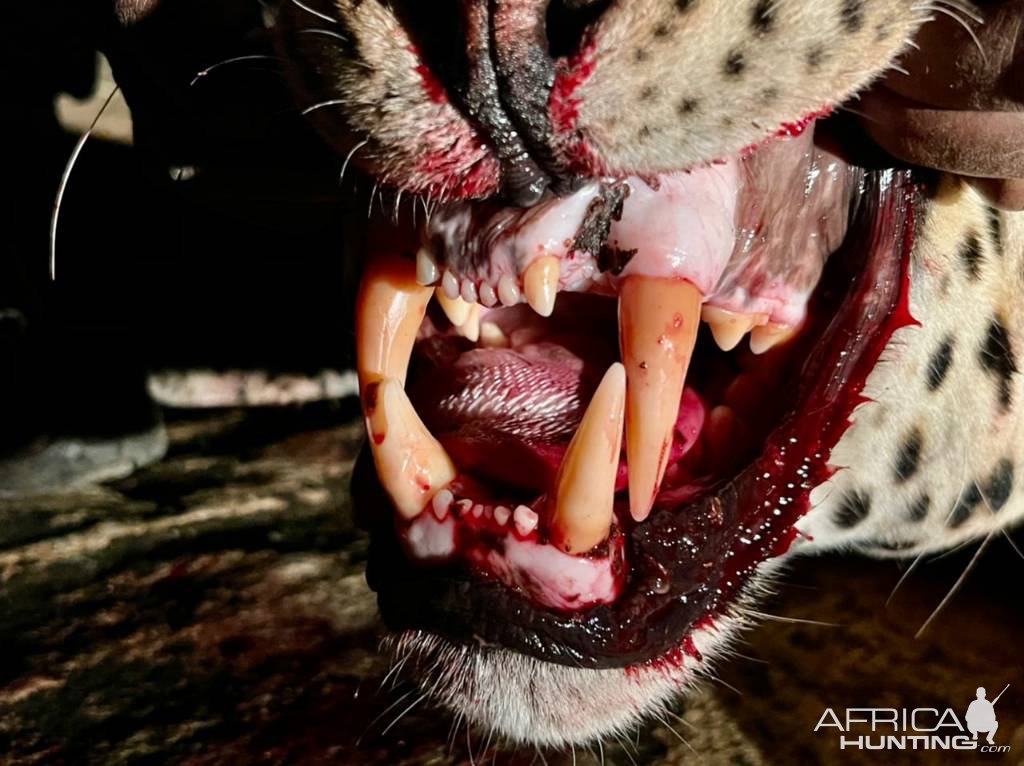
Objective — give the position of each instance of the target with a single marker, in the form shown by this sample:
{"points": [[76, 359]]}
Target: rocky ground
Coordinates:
{"points": [[212, 610]]}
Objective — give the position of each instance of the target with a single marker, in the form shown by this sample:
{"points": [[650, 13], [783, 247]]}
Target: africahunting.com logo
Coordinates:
{"points": [[925, 728]]}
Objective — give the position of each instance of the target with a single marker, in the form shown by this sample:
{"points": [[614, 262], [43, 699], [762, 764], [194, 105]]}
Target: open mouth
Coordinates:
{"points": [[618, 404]]}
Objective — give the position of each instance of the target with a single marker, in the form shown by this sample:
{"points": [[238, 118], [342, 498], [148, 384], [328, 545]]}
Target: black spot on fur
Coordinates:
{"points": [[769, 95], [940, 363], [965, 506], [853, 509], [648, 92], [644, 133], [684, 5], [640, 55], [763, 18], [851, 15], [995, 229], [997, 358], [662, 31], [687, 106], [970, 254], [909, 458], [918, 510], [815, 57], [735, 64], [999, 486], [882, 30]]}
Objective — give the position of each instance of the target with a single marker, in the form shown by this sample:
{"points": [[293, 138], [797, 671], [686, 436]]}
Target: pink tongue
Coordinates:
{"points": [[507, 416]]}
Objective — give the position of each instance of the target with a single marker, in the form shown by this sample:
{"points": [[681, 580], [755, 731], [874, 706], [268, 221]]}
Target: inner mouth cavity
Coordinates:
{"points": [[585, 363]]}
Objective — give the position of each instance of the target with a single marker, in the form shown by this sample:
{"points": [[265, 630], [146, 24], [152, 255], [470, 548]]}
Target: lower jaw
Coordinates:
{"points": [[689, 563]]}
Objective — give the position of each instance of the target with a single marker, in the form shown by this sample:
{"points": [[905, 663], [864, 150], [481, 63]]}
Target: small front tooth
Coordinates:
{"points": [[413, 467], [456, 309], [767, 337], [441, 503], [487, 295], [525, 519], [585, 487], [389, 311], [468, 291], [427, 272], [470, 329], [502, 515], [508, 291], [450, 285], [658, 322], [540, 284], [492, 336], [729, 327]]}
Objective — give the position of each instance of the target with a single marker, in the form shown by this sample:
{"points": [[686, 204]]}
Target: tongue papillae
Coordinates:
{"points": [[739, 245]]}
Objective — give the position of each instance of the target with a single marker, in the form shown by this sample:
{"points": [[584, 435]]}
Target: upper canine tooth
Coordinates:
{"points": [[658, 322], [769, 336], [427, 272], [389, 310], [540, 284], [492, 336], [456, 309], [585, 491], [729, 327], [413, 467]]}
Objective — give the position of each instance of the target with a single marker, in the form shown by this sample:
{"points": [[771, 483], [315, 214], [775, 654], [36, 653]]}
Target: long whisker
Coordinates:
{"points": [[321, 105], [66, 176], [957, 585], [235, 60], [318, 14]]}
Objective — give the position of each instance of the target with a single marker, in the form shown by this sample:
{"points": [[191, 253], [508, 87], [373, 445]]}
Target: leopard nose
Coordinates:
{"points": [[512, 48]]}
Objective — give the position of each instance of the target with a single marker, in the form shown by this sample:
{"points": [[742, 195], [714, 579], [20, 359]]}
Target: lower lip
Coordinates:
{"points": [[690, 563]]}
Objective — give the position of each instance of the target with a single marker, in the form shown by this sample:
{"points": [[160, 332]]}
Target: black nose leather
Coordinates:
{"points": [[496, 60]]}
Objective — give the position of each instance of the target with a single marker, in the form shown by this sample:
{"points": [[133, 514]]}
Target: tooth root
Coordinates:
{"points": [[768, 336], [470, 329], [389, 310], [729, 327], [427, 272], [585, 486], [540, 284], [658, 322], [456, 309], [413, 467]]}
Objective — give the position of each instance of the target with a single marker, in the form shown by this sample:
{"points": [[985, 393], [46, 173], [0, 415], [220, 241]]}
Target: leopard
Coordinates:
{"points": [[539, 147]]}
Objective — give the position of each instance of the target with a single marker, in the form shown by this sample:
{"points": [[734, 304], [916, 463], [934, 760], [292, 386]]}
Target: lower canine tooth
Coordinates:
{"points": [[456, 309], [540, 283], [585, 491], [389, 311], [427, 272], [413, 467], [658, 322], [769, 336], [729, 327], [470, 329]]}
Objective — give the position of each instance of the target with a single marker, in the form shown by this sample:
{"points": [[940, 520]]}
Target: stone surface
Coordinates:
{"points": [[212, 610]]}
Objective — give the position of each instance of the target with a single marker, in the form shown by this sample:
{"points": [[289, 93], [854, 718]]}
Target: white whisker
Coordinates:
{"points": [[957, 585], [318, 14], [66, 176]]}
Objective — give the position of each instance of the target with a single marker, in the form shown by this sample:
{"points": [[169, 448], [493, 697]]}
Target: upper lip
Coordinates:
{"points": [[689, 563]]}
